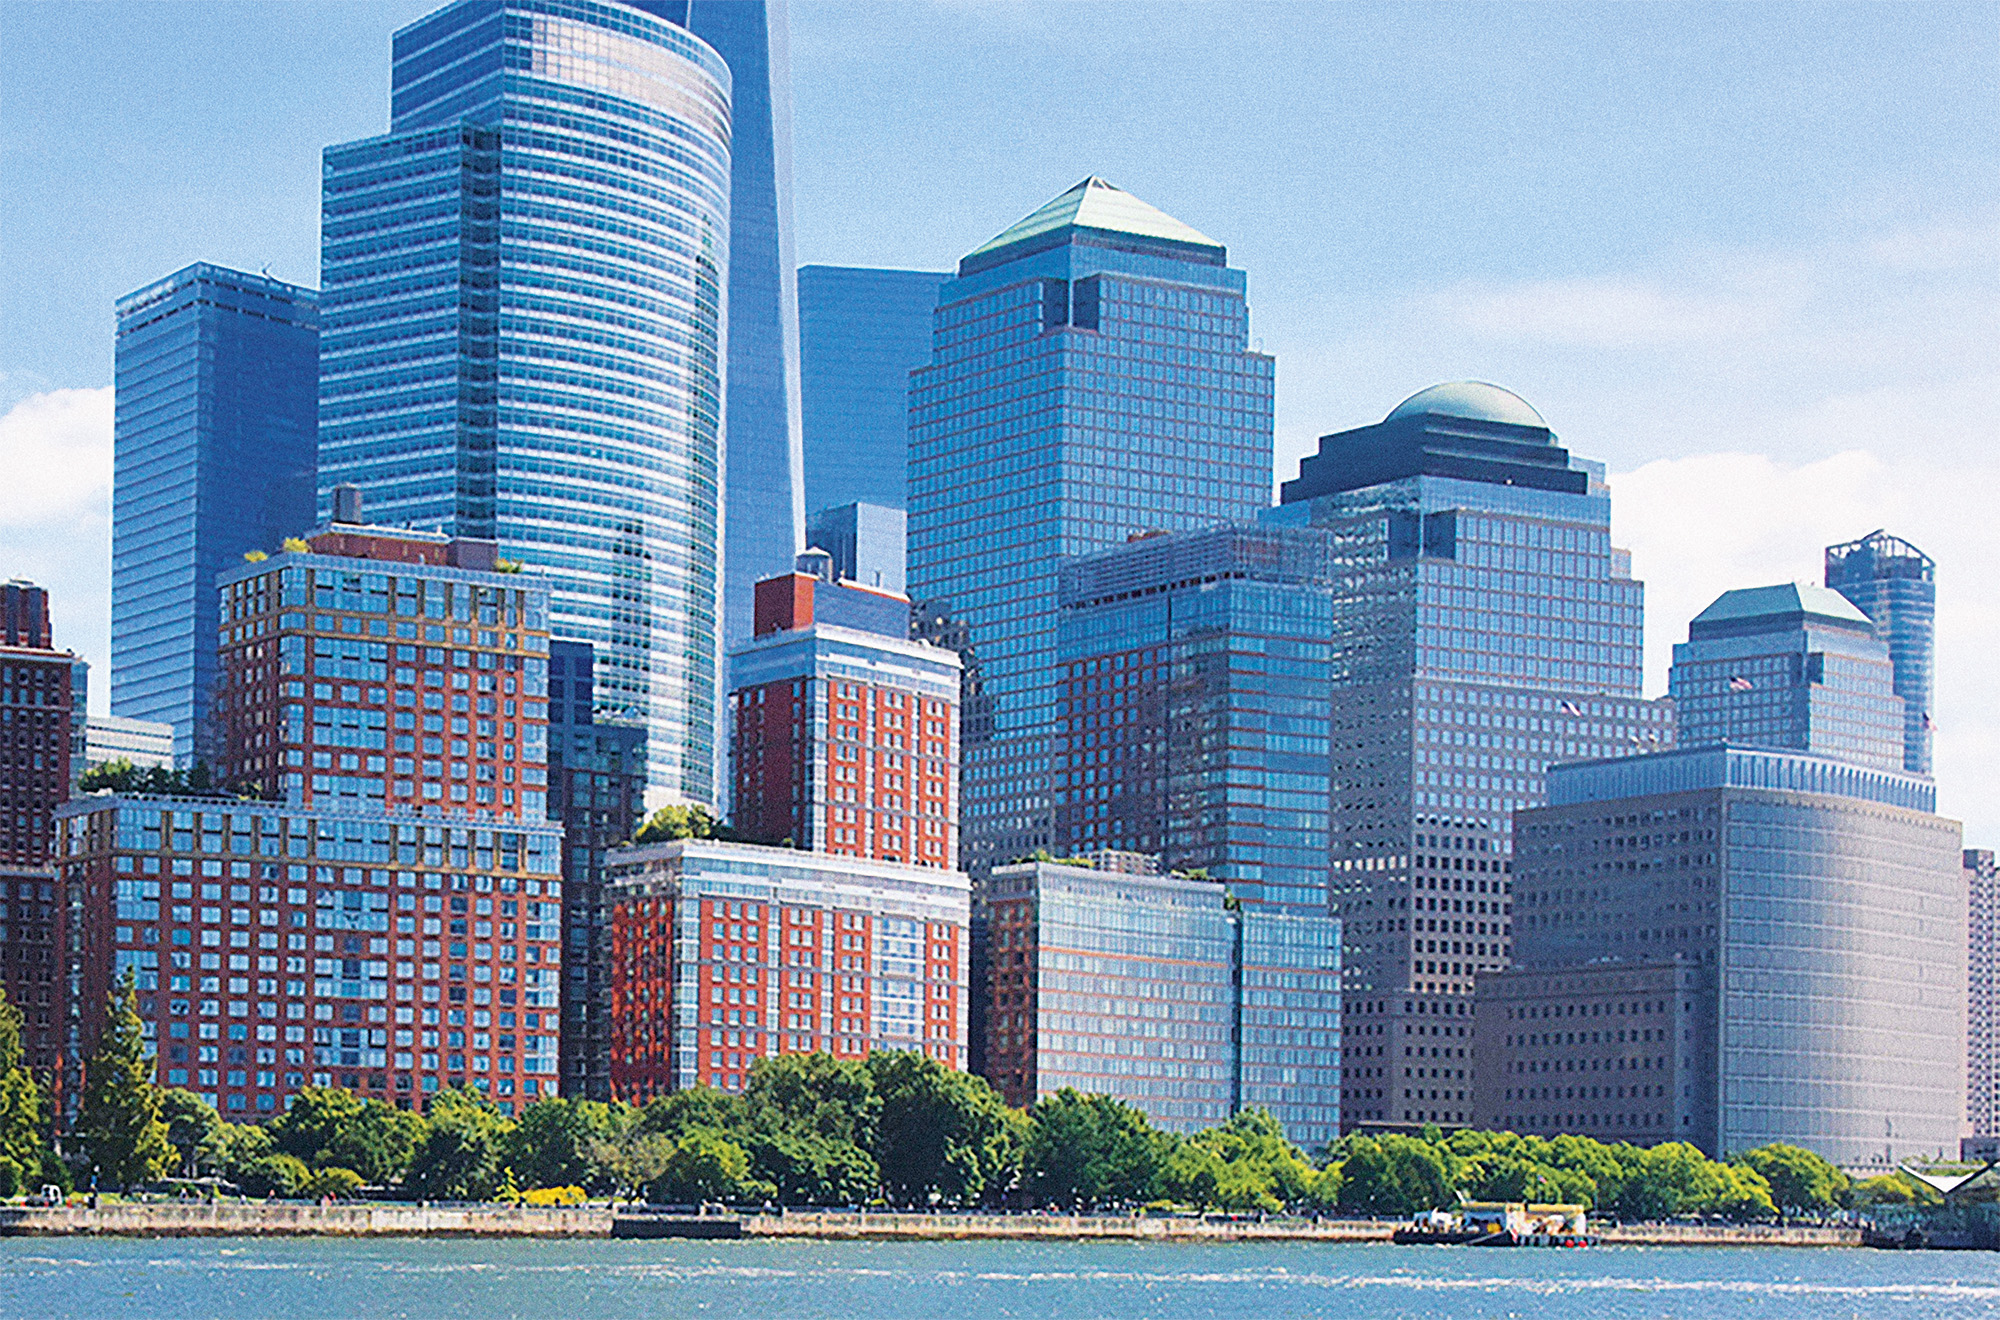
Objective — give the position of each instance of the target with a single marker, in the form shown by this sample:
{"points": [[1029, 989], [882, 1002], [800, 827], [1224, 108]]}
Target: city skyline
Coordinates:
{"points": [[1840, 244]]}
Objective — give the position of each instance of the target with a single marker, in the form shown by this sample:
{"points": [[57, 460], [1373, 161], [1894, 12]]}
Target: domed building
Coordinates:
{"points": [[1486, 629]]}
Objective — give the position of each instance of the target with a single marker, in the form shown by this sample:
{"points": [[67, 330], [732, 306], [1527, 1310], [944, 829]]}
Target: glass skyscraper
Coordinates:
{"points": [[765, 479], [1788, 666], [1485, 628], [525, 288], [1895, 584], [213, 455], [1090, 379], [861, 333], [1194, 706]]}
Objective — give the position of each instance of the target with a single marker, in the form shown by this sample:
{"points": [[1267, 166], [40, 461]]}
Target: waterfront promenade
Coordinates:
{"points": [[401, 1219]]}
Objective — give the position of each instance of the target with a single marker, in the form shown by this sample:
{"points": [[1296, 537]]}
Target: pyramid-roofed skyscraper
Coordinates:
{"points": [[1090, 380]]}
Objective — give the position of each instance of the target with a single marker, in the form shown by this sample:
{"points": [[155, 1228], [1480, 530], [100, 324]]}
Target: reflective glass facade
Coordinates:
{"points": [[597, 789], [1149, 988], [525, 331], [1825, 915], [1090, 378], [1193, 706], [213, 455], [1895, 585], [1789, 666], [861, 333]]}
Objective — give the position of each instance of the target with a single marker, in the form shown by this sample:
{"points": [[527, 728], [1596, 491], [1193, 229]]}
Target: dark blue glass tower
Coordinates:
{"points": [[213, 456], [1090, 379], [1195, 706], [525, 285], [861, 333], [1895, 585]]}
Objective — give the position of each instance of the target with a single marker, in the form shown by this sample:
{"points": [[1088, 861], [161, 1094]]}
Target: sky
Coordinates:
{"points": [[1747, 255]]}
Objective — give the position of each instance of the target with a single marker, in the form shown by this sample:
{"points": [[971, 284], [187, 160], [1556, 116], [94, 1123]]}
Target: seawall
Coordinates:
{"points": [[394, 1219]]}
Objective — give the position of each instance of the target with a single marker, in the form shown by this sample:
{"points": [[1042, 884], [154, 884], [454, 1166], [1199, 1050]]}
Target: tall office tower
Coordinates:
{"points": [[1193, 708], [1487, 628], [276, 946], [1192, 1009], [1090, 378], [597, 789], [1792, 666], [866, 541], [36, 718], [846, 731], [1767, 944], [383, 667], [213, 454], [554, 381], [861, 333], [725, 953], [1895, 585], [766, 467], [1982, 1000]]}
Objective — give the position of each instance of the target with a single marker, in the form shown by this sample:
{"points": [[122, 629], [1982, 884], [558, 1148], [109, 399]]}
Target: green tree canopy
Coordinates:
{"points": [[1800, 1181], [459, 1159], [190, 1122], [705, 1165], [552, 1141], [941, 1134], [816, 1094], [24, 1150], [123, 1139], [1088, 1150], [678, 822]]}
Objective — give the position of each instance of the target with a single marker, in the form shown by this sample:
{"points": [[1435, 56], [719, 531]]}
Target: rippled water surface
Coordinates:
{"points": [[244, 1279]]}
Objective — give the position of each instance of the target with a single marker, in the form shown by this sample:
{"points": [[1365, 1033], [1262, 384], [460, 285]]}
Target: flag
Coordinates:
{"points": [[1738, 683], [1571, 708]]}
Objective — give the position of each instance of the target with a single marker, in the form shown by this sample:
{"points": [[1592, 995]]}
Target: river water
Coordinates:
{"points": [[292, 1279]]}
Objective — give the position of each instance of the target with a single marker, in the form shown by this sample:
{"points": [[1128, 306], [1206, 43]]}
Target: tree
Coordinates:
{"points": [[119, 1122], [803, 1168], [190, 1122], [551, 1144], [317, 1116], [459, 1159], [814, 1093], [1089, 1150], [1393, 1176], [1800, 1181], [333, 1181], [271, 1174], [377, 1144], [670, 823], [942, 1134], [23, 1109], [704, 1165], [630, 1158]]}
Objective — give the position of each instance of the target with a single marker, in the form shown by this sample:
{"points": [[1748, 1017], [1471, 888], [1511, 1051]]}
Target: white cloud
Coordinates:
{"points": [[55, 525]]}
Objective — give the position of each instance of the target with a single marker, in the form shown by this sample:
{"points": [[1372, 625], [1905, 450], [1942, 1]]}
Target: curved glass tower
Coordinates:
{"points": [[525, 283]]}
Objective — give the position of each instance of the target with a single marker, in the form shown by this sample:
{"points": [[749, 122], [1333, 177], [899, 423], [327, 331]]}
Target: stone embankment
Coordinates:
{"points": [[394, 1219]]}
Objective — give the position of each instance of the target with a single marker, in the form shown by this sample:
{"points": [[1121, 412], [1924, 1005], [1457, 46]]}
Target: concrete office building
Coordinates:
{"points": [[861, 333], [1486, 629], [1116, 980], [145, 743], [727, 953], [214, 448], [1895, 585], [1091, 377], [1809, 913], [1982, 993]]}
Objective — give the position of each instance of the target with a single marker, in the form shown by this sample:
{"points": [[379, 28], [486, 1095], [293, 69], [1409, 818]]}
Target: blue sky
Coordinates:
{"points": [[1749, 255]]}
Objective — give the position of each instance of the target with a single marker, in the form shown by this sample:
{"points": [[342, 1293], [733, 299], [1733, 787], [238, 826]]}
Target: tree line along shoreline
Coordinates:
{"points": [[896, 1129]]}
